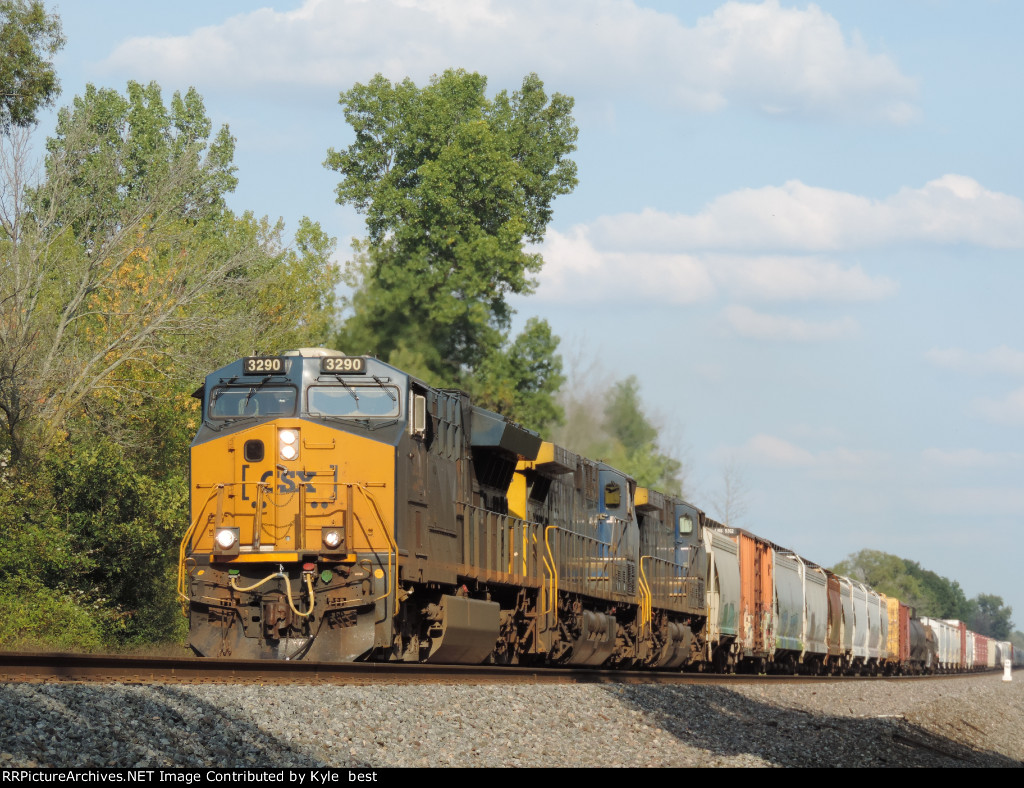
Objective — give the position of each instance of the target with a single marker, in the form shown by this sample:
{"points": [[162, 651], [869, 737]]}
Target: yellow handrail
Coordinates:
{"points": [[187, 538], [553, 567], [511, 543], [646, 606]]}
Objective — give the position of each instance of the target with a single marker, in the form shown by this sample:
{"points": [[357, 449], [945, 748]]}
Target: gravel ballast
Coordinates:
{"points": [[963, 721]]}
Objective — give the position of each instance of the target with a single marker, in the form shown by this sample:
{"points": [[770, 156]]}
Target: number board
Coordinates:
{"points": [[343, 365], [264, 365]]}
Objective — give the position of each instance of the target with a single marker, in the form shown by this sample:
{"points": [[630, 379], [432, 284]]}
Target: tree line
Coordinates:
{"points": [[124, 278], [928, 593]]}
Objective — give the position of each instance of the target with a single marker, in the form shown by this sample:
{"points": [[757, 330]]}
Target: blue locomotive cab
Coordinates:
{"points": [[357, 394], [616, 530]]}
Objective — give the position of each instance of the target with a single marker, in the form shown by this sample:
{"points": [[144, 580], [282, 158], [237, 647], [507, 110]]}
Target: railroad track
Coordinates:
{"points": [[106, 668]]}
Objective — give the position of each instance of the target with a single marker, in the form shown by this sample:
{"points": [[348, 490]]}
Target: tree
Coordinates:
{"points": [[29, 38], [623, 435], [524, 379], [453, 186], [890, 575], [731, 503], [124, 278], [635, 447], [123, 271], [991, 617], [930, 594]]}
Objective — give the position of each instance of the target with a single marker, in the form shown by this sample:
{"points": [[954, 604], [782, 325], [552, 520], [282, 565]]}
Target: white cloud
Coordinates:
{"points": [[773, 59], [780, 278], [774, 452], [789, 60], [576, 269], [730, 246], [969, 458], [1001, 359], [757, 325], [1009, 410], [798, 217]]}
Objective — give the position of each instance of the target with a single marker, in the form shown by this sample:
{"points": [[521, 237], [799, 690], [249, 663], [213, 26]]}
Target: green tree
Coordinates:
{"points": [[453, 186], [635, 440], [29, 38], [888, 574], [126, 276], [523, 379], [930, 594], [948, 599], [611, 425], [41, 603], [126, 526], [991, 617]]}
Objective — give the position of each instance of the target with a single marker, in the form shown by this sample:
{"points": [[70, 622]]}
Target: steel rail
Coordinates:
{"points": [[105, 668]]}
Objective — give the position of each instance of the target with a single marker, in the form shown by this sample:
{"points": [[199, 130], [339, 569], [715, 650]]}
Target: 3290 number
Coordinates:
{"points": [[263, 366], [343, 365]]}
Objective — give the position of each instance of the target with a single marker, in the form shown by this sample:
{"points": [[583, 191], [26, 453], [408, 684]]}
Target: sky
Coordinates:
{"points": [[800, 226]]}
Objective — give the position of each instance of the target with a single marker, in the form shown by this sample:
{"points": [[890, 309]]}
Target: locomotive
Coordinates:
{"points": [[344, 510]]}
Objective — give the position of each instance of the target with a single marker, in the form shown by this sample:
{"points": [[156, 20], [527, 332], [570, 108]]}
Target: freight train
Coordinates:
{"points": [[343, 510]]}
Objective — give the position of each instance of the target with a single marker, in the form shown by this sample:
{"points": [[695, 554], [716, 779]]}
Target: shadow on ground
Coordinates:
{"points": [[66, 726], [727, 723]]}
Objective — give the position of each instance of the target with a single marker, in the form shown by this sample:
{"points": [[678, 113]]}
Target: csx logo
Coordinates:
{"points": [[288, 481]]}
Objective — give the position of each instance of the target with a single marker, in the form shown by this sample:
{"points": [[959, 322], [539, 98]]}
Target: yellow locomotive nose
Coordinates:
{"points": [[291, 549], [291, 488]]}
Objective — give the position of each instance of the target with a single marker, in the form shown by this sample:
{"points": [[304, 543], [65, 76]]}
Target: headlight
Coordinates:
{"points": [[289, 444], [332, 538], [226, 539]]}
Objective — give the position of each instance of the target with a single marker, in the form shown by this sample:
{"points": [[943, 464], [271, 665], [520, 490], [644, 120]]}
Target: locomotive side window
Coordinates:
{"points": [[685, 525], [418, 421], [236, 401], [612, 495], [362, 402]]}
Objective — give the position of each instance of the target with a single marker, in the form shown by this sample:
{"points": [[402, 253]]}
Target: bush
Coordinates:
{"points": [[88, 552], [36, 618]]}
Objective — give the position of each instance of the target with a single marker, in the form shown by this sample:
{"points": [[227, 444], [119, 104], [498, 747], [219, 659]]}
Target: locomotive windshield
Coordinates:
{"points": [[363, 402], [236, 401]]}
